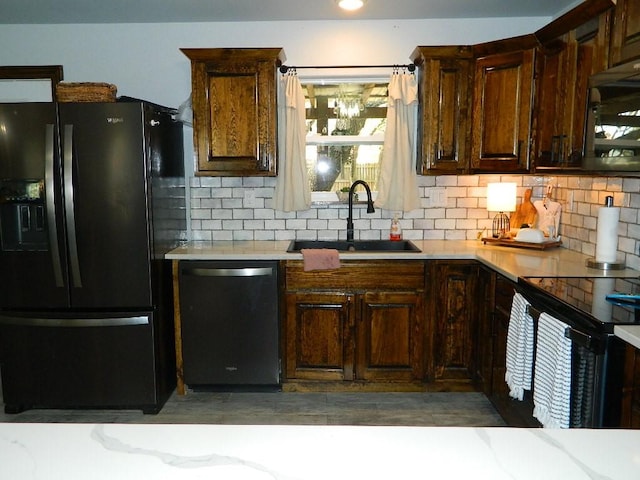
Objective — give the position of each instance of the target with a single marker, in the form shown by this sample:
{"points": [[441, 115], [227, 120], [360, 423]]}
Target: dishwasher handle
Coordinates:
{"points": [[229, 272]]}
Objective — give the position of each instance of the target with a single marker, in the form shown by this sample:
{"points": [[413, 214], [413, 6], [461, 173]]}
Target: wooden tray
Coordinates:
{"points": [[506, 242]]}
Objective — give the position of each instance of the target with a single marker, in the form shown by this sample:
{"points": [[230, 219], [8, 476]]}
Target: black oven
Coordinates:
{"points": [[586, 305]]}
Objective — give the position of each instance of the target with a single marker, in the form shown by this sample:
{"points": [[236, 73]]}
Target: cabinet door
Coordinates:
{"points": [[503, 299], [390, 337], [502, 107], [454, 320], [625, 35], [631, 389], [485, 304], [445, 85], [551, 102], [234, 109], [319, 336], [562, 93]]}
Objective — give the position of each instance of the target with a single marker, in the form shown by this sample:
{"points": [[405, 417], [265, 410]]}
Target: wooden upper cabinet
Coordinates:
{"points": [[625, 35], [573, 48], [444, 75], [234, 94], [502, 106]]}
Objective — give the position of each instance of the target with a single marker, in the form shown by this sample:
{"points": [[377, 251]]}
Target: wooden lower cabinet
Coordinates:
{"points": [[389, 337], [319, 336], [454, 314], [363, 322], [516, 413], [631, 389]]}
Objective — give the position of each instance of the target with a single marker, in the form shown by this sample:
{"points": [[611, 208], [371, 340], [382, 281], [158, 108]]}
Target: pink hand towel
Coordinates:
{"points": [[320, 259]]}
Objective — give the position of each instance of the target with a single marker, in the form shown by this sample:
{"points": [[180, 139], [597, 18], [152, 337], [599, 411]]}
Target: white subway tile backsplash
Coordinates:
{"points": [[433, 235], [232, 225], [456, 213], [264, 235], [201, 214], [240, 208], [211, 225], [242, 214], [222, 214], [445, 224]]}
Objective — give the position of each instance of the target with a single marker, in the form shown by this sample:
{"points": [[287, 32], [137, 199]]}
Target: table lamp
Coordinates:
{"points": [[501, 198]]}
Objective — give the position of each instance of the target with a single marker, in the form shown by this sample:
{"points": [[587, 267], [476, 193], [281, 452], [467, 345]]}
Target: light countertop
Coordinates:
{"points": [[510, 262], [629, 333], [225, 452]]}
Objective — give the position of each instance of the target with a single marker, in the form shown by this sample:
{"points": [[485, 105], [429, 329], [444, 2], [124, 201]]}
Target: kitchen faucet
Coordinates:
{"points": [[370, 208]]}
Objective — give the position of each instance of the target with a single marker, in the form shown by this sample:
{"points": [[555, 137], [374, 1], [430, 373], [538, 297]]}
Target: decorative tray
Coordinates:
{"points": [[508, 242]]}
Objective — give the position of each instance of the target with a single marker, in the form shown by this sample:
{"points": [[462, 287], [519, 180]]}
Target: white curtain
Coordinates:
{"points": [[292, 190], [397, 185]]}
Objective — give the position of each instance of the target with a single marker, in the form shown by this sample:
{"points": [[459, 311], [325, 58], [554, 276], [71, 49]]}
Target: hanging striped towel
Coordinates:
{"points": [[519, 358], [552, 377]]}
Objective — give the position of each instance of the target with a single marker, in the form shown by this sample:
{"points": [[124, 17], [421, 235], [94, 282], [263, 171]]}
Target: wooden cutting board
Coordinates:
{"points": [[525, 212]]}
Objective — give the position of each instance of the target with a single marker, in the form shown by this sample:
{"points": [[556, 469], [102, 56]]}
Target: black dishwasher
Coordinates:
{"points": [[230, 328]]}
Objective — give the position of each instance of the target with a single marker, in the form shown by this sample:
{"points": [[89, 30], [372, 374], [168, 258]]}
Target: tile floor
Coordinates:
{"points": [[289, 408]]}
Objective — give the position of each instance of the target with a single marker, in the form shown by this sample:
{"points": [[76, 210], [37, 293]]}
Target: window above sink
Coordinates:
{"points": [[346, 120]]}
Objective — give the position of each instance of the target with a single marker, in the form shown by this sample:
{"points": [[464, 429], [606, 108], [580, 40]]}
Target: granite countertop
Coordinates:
{"points": [[225, 452], [510, 262]]}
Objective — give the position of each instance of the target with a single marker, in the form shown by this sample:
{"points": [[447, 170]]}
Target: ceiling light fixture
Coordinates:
{"points": [[350, 5]]}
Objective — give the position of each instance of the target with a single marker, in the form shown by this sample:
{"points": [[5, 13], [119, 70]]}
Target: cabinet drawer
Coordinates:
{"points": [[358, 275]]}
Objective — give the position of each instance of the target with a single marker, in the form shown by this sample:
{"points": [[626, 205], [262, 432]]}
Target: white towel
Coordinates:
{"points": [[519, 359], [552, 376]]}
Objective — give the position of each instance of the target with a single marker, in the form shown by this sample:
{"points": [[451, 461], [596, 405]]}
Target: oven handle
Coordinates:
{"points": [[583, 339]]}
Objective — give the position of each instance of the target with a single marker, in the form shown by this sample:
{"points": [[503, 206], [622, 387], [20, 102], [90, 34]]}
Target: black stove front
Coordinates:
{"points": [[591, 307], [593, 302]]}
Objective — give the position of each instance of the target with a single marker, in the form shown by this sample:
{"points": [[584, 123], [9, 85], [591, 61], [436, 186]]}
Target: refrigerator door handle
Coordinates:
{"points": [[51, 205], [69, 206], [74, 322]]}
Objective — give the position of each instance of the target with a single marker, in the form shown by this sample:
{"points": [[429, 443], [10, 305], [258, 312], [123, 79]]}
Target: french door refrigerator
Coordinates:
{"points": [[91, 197]]}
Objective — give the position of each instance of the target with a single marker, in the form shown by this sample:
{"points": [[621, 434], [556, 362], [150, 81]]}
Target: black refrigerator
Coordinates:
{"points": [[92, 195]]}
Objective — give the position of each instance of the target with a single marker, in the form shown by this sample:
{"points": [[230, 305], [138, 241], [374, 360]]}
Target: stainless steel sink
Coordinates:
{"points": [[355, 245]]}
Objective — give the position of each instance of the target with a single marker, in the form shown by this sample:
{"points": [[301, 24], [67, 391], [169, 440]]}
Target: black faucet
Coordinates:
{"points": [[370, 208]]}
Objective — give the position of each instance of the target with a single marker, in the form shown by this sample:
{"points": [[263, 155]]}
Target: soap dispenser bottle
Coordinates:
{"points": [[395, 233]]}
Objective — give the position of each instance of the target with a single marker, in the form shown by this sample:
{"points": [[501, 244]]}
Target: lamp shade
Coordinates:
{"points": [[501, 197]]}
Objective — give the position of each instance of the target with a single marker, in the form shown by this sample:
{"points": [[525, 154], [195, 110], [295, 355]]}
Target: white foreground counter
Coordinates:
{"points": [[223, 452]]}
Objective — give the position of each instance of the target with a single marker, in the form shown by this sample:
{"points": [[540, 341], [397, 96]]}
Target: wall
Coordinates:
{"points": [[144, 61]]}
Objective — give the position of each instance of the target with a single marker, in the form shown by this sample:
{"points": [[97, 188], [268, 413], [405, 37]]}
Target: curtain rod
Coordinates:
{"points": [[285, 68]]}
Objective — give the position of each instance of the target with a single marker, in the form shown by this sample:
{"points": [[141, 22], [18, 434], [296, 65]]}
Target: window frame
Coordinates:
{"points": [[335, 77]]}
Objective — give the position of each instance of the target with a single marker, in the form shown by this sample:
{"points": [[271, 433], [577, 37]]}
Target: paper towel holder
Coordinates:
{"points": [[592, 263]]}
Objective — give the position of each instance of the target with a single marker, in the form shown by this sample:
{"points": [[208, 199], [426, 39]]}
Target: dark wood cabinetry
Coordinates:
{"points": [[362, 322], [573, 47], [502, 106], [631, 389], [485, 306], [234, 110], [445, 75], [454, 288], [494, 347], [625, 35]]}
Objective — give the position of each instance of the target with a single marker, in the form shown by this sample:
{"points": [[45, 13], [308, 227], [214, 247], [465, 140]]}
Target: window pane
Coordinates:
{"points": [[346, 124]]}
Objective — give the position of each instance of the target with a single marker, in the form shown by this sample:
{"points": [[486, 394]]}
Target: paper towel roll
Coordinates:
{"points": [[607, 234]]}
